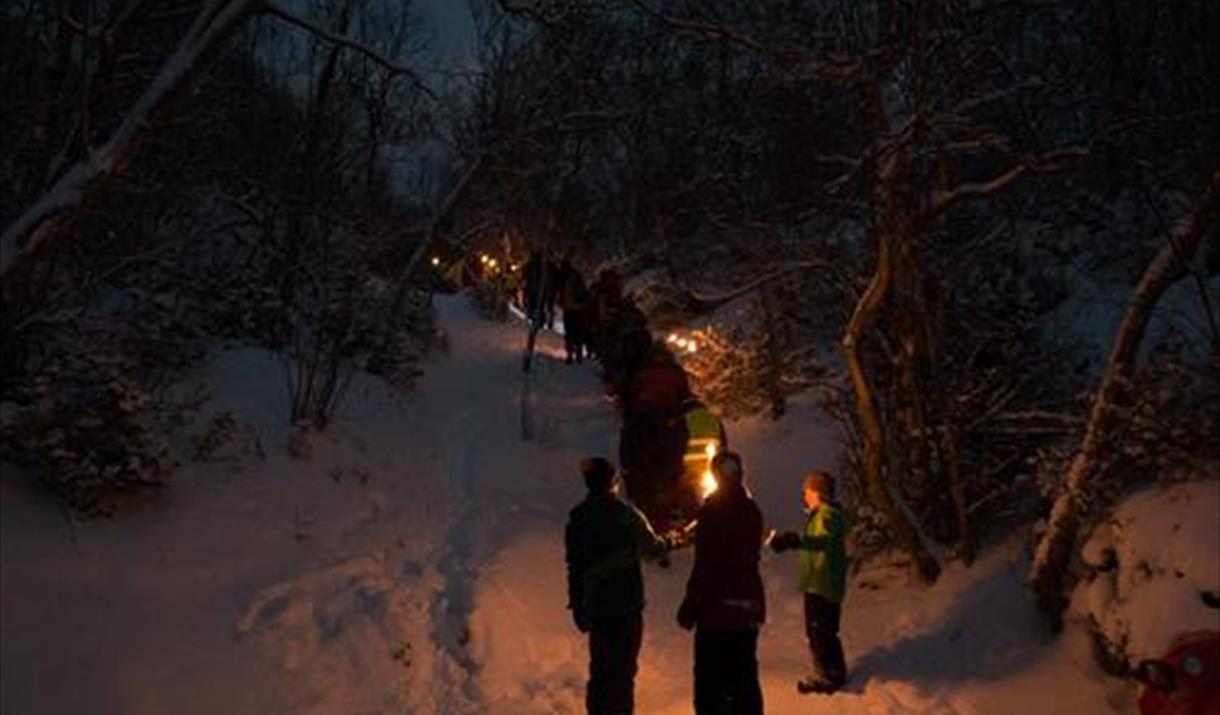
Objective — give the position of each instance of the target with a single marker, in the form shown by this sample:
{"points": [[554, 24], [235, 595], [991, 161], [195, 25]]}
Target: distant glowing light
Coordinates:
{"points": [[691, 347], [491, 262], [436, 261], [681, 342], [672, 338]]}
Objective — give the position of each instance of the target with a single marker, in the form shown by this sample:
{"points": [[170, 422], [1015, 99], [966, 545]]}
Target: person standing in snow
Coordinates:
{"points": [[550, 291], [823, 580], [605, 540], [725, 602], [537, 293], [653, 435], [573, 298]]}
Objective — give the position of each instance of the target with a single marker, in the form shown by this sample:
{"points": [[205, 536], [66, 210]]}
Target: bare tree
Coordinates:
{"points": [[1171, 264]]}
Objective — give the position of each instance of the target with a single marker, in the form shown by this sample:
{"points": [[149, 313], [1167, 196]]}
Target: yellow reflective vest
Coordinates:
{"points": [[702, 430]]}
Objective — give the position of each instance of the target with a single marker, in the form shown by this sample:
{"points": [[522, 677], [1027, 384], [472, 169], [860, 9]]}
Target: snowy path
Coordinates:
{"points": [[414, 565]]}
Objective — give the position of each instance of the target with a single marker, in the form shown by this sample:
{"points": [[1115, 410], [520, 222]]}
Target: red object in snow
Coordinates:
{"points": [[1186, 680]]}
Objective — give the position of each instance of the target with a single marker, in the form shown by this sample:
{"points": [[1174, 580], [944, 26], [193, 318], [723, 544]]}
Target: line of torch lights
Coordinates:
{"points": [[490, 263], [686, 345]]}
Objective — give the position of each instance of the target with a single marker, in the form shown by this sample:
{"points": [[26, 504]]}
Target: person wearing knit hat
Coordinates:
{"points": [[822, 577], [604, 541]]}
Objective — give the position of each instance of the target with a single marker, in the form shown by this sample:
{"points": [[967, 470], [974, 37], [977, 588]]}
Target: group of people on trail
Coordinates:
{"points": [[725, 601], [546, 285], [598, 319], [668, 437]]}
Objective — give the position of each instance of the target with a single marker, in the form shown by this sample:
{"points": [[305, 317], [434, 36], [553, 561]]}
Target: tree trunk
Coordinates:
{"points": [[1054, 551], [870, 421], [966, 545]]}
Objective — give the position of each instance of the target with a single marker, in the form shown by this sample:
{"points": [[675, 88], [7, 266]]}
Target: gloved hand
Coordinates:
{"points": [[783, 542], [686, 615], [581, 620], [674, 540]]}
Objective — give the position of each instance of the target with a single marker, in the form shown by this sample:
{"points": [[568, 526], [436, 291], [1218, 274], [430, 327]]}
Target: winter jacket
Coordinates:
{"points": [[573, 295], [725, 589], [823, 557], [651, 446], [658, 388], [538, 289], [605, 540]]}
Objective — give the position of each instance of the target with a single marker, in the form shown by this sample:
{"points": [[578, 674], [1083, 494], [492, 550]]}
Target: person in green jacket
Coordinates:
{"points": [[823, 580], [605, 540]]}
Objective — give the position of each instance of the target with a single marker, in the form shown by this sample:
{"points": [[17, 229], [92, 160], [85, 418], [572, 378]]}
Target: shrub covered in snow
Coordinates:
{"points": [[727, 371], [1151, 572], [87, 426]]}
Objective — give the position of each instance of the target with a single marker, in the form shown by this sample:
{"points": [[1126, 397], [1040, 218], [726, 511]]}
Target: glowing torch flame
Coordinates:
{"points": [[708, 483]]}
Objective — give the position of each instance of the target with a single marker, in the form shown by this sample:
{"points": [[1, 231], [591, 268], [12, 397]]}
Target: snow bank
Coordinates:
{"points": [[1149, 565]]}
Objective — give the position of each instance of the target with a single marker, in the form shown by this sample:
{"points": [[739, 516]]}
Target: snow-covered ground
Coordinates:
{"points": [[414, 564]]}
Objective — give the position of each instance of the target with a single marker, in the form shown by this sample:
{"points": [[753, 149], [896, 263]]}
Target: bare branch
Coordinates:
{"points": [[706, 303], [799, 61], [395, 68], [942, 198]]}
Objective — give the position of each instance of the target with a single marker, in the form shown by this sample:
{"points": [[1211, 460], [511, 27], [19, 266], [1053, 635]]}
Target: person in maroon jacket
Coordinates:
{"points": [[725, 602]]}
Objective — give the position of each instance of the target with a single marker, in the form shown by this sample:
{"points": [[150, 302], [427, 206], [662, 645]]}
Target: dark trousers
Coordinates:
{"points": [[822, 628], [614, 646], [726, 672]]}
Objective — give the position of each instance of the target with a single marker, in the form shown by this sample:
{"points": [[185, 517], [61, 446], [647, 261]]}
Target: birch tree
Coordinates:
{"points": [[1171, 264], [214, 22]]}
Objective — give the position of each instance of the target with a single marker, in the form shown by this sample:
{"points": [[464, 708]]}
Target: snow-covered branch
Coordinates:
{"points": [[35, 225], [396, 68]]}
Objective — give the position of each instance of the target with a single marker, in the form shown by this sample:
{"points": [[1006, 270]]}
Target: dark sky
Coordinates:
{"points": [[454, 31]]}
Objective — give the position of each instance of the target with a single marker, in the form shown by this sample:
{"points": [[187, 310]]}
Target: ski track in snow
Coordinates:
{"points": [[453, 603]]}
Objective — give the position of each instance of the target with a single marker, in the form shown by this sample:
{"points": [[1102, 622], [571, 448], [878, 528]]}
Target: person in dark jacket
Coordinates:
{"points": [[574, 301], [605, 540], [822, 578], [537, 298], [725, 602], [536, 286], [607, 296], [653, 436]]}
